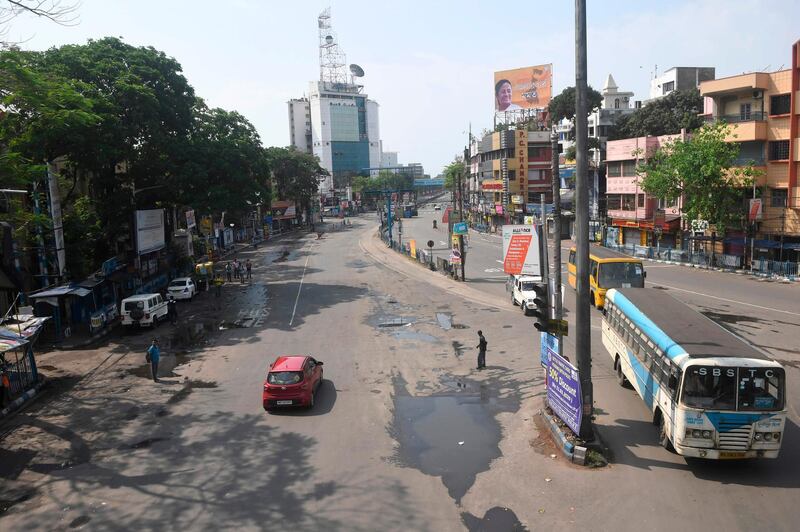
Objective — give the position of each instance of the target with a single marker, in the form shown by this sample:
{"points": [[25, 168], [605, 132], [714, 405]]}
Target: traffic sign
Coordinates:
{"points": [[460, 228]]}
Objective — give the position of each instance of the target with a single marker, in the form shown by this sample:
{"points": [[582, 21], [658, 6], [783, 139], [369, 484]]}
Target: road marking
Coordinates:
{"points": [[728, 300], [442, 243], [302, 277]]}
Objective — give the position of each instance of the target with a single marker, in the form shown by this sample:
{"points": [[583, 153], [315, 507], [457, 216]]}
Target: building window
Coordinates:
{"points": [[640, 200], [779, 197], [744, 111], [628, 202], [668, 87], [613, 169], [616, 103], [780, 104], [629, 168], [534, 153], [613, 202], [778, 150]]}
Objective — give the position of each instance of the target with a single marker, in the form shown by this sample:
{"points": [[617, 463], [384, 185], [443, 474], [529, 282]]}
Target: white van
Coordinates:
{"points": [[144, 309], [522, 292]]}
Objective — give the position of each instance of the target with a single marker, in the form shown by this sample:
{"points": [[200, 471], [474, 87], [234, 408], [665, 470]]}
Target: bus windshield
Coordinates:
{"points": [[715, 388], [621, 275]]}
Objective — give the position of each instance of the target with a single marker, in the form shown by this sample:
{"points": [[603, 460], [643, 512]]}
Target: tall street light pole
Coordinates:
{"points": [[583, 344]]}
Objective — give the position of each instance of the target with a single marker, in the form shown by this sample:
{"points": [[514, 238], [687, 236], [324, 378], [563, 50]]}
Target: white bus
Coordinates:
{"points": [[712, 394]]}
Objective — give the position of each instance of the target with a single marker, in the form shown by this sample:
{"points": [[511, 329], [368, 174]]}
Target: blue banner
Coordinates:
{"points": [[549, 345], [429, 182], [564, 391]]}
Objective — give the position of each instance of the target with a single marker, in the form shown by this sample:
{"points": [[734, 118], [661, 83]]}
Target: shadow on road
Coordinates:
{"points": [[323, 403]]}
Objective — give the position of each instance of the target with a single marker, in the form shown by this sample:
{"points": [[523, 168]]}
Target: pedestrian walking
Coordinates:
{"points": [[218, 291], [249, 266], [229, 271], [153, 356], [481, 350], [236, 267], [172, 310]]}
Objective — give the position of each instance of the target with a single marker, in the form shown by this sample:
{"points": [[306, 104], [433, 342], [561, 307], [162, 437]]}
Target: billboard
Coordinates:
{"points": [[149, 230], [564, 390], [523, 88], [521, 254]]}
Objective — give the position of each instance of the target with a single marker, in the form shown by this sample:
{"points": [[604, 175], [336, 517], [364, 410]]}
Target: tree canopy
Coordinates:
{"points": [[563, 105], [664, 116], [703, 171]]}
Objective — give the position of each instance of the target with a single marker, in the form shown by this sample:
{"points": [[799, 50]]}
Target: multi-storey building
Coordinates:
{"points": [[764, 112], [509, 170], [679, 79], [635, 217]]}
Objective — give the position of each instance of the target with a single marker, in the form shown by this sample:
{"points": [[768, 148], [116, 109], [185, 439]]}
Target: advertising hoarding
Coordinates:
{"points": [[190, 220], [521, 253], [564, 391], [149, 230], [523, 88]]}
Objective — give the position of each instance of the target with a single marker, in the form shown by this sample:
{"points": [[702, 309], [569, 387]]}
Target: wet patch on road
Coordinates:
{"points": [[496, 519], [166, 365], [458, 349], [79, 521], [452, 434]]}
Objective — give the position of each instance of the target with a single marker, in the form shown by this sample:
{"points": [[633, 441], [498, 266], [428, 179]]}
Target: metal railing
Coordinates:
{"points": [[752, 116], [707, 260]]}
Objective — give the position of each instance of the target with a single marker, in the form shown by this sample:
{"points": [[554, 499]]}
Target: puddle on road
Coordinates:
{"points": [[166, 364], [413, 335], [496, 519], [453, 435]]}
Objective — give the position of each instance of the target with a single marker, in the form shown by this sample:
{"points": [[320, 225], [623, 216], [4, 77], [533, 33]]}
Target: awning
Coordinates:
{"points": [[80, 292], [53, 292], [90, 283]]}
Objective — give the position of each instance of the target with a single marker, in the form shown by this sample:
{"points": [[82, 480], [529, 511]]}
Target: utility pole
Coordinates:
{"points": [[461, 219], [583, 342], [556, 178]]}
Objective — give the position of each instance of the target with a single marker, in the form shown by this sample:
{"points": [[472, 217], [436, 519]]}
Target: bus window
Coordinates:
{"points": [[761, 388], [572, 256], [621, 275], [710, 387], [594, 272]]}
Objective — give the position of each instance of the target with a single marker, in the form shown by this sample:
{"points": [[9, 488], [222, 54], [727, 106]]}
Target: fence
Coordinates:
{"points": [[17, 365], [423, 257], [707, 260]]}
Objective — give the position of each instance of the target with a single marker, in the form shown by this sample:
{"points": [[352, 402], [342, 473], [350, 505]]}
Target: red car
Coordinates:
{"points": [[292, 380]]}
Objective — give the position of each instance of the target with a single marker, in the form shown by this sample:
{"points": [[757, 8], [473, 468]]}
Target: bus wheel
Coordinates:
{"points": [[621, 379], [663, 438]]}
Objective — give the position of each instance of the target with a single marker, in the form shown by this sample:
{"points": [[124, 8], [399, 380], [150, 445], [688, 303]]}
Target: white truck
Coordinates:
{"points": [[522, 292]]}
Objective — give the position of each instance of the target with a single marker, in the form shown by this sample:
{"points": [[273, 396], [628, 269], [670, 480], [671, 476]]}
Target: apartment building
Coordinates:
{"points": [[763, 109]]}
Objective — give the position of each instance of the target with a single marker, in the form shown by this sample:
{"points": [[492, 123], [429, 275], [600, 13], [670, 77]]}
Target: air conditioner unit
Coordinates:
{"points": [[758, 94]]}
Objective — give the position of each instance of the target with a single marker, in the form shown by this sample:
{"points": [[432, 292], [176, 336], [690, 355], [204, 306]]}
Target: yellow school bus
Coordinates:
{"points": [[607, 269]]}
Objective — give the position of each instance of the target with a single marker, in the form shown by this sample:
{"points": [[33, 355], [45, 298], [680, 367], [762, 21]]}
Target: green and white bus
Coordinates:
{"points": [[712, 394]]}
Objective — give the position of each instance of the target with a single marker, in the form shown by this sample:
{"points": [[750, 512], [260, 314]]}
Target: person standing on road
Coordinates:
{"points": [[153, 356], [236, 267], [481, 350], [249, 266], [229, 271], [172, 310], [218, 291]]}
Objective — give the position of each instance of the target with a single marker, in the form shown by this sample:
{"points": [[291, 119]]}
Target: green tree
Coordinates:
{"points": [[563, 105], [703, 171], [664, 116], [451, 172], [295, 176]]}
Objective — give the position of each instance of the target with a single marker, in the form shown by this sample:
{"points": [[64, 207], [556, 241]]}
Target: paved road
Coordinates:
{"points": [[406, 435]]}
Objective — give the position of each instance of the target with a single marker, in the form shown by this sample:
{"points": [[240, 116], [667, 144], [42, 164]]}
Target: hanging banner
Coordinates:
{"points": [[521, 254], [55, 214], [413, 245], [190, 221]]}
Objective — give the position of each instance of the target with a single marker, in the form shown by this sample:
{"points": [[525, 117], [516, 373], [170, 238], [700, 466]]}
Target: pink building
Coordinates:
{"points": [[640, 219]]}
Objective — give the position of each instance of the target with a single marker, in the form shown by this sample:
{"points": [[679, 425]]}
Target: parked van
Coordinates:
{"points": [[522, 292], [607, 269], [144, 310]]}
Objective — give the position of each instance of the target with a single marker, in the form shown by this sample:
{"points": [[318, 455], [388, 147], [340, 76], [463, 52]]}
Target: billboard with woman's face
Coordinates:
{"points": [[523, 88]]}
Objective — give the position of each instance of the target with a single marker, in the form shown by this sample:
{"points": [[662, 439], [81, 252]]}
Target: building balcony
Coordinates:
{"points": [[735, 84], [746, 128]]}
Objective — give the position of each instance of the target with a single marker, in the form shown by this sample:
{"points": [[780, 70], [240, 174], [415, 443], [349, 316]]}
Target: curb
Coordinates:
{"points": [[567, 447], [22, 399]]}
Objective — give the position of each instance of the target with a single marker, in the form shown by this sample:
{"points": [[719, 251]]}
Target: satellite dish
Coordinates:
{"points": [[329, 39], [357, 71]]}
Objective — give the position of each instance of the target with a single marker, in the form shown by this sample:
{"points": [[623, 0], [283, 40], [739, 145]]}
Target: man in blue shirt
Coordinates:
{"points": [[153, 355]]}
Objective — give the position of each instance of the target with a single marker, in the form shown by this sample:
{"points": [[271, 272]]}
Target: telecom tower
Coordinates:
{"points": [[332, 60]]}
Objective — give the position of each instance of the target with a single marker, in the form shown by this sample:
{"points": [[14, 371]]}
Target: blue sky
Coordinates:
{"points": [[428, 63]]}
